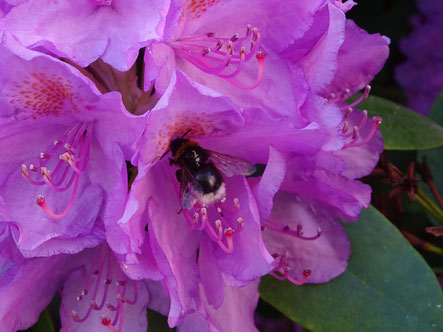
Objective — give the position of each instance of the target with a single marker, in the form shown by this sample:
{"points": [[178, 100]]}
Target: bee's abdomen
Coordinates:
{"points": [[209, 178]]}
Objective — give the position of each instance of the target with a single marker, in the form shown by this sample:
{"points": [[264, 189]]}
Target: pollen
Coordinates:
{"points": [[41, 95]]}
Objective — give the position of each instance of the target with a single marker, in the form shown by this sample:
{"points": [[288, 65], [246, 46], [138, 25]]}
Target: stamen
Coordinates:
{"points": [[306, 274], [298, 233], [240, 222], [376, 121], [25, 172], [213, 60], [77, 140], [236, 204], [362, 97], [261, 65]]}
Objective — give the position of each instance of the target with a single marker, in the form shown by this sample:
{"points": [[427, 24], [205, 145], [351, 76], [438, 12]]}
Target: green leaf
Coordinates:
{"points": [[402, 128], [434, 156], [387, 287], [44, 323]]}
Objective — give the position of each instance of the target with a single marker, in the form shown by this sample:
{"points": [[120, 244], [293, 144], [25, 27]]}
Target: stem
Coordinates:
{"points": [[421, 244], [430, 206], [435, 192]]}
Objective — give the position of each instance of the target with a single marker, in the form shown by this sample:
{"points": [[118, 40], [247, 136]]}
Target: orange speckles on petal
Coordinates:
{"points": [[195, 8], [200, 127], [41, 95]]}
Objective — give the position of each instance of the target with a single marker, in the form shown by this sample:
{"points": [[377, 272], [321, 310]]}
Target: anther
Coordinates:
{"points": [[254, 34], [355, 133], [107, 281], [111, 307], [236, 204], [219, 45], [205, 51], [75, 316], [248, 29], [84, 292], [44, 155], [307, 273], [79, 298], [94, 305], [68, 147], [364, 118], [33, 168], [235, 37], [240, 222], [46, 173], [345, 127], [25, 172], [56, 142], [218, 224], [204, 214], [195, 218]]}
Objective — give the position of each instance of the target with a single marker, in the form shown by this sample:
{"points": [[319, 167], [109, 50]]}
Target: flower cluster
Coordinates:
{"points": [[421, 76], [167, 154]]}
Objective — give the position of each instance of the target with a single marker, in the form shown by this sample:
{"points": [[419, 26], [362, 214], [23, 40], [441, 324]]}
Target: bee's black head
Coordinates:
{"points": [[176, 144]]}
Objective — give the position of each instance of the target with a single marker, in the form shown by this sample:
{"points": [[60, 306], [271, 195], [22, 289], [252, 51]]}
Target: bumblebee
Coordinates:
{"points": [[201, 171]]}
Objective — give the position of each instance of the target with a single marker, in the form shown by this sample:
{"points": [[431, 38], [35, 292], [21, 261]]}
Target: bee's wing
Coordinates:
{"points": [[230, 165], [190, 189]]}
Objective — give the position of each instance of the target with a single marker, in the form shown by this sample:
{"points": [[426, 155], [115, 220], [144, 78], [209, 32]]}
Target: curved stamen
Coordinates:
{"points": [[359, 100], [78, 140], [375, 123], [261, 65], [288, 231], [213, 60]]}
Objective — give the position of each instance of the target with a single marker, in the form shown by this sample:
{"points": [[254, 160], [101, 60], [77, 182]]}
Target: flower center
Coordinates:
{"points": [[221, 56], [104, 269], [61, 166]]}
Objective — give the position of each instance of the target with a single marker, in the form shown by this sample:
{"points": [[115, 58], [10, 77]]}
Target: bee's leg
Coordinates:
{"points": [[180, 211], [172, 162]]}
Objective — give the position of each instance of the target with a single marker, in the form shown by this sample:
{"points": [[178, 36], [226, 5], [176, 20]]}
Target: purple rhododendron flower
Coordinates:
{"points": [[229, 243], [113, 30], [244, 165], [98, 296], [421, 76], [302, 231], [64, 146], [240, 59]]}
